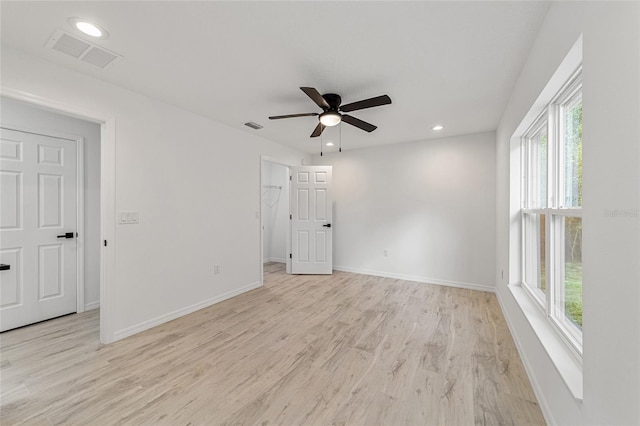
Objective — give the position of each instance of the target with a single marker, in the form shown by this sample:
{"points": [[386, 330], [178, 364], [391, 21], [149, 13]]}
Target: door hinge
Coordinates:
{"points": [[290, 217], [290, 178], [105, 243], [290, 256]]}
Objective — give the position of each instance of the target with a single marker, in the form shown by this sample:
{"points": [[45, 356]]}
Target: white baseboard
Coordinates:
{"points": [[275, 259], [92, 305], [470, 286], [145, 325]]}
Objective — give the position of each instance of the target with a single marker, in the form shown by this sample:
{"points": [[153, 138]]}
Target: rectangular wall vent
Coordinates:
{"points": [[85, 51], [253, 125]]}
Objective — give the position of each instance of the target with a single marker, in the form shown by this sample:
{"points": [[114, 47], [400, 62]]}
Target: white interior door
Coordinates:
{"points": [[38, 206], [311, 219]]}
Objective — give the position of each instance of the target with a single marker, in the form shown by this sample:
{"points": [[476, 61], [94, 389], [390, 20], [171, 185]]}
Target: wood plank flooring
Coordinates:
{"points": [[345, 349]]}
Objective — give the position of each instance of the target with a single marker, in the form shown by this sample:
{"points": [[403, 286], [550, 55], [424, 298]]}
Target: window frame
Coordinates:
{"points": [[554, 211], [527, 200]]}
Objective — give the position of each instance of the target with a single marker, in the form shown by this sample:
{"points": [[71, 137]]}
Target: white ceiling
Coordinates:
{"points": [[450, 63]]}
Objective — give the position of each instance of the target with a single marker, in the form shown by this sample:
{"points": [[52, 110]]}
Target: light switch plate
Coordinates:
{"points": [[128, 218]]}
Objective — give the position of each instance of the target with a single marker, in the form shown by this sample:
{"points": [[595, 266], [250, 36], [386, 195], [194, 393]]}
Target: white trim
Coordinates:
{"points": [[80, 224], [565, 211], [108, 223], [415, 278], [261, 224], [145, 325], [275, 259], [92, 305], [107, 195]]}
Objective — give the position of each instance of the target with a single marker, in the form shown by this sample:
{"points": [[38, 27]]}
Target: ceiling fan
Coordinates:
{"points": [[332, 110]]}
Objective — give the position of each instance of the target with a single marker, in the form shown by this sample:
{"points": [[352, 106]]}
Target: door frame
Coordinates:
{"points": [[107, 124], [288, 228], [80, 243]]}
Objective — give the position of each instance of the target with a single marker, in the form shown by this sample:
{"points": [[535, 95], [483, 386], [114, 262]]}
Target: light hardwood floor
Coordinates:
{"points": [[341, 349]]}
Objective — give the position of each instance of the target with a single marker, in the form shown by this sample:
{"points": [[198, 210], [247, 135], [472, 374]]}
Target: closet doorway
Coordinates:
{"points": [[274, 186]]}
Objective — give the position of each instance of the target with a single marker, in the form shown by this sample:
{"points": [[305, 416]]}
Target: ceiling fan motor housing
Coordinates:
{"points": [[333, 100]]}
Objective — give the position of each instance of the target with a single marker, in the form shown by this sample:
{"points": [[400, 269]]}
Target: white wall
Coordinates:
{"points": [[611, 245], [275, 211], [194, 182], [26, 115], [431, 204]]}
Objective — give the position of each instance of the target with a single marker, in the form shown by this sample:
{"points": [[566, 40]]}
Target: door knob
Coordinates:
{"points": [[67, 235], [327, 225]]}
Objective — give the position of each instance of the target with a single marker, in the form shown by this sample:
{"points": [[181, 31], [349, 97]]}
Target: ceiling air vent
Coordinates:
{"points": [[82, 50]]}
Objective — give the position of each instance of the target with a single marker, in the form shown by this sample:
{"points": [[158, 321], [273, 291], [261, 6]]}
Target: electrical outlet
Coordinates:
{"points": [[216, 269]]}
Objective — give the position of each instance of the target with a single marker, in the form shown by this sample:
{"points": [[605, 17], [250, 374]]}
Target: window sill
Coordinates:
{"points": [[562, 357]]}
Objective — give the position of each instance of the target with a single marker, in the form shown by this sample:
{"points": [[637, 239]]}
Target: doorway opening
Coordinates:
{"points": [[41, 117], [275, 224], [296, 217]]}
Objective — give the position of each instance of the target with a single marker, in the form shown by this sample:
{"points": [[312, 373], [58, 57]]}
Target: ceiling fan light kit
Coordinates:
{"points": [[332, 110], [330, 118]]}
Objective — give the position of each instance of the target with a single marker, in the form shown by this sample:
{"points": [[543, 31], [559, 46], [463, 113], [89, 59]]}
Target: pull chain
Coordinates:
{"points": [[340, 136], [320, 144]]}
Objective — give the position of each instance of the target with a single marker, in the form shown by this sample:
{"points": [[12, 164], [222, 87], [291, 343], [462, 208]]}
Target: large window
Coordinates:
{"points": [[552, 211]]}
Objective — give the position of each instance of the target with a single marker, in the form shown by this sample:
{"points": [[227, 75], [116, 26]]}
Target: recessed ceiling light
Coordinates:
{"points": [[89, 28], [438, 127], [329, 143]]}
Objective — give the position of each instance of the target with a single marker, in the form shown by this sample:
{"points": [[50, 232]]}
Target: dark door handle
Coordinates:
{"points": [[67, 235], [4, 267], [328, 225]]}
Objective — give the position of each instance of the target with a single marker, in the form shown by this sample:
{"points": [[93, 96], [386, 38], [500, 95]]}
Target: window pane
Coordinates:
{"points": [[572, 139], [542, 168], [569, 293], [537, 170], [535, 254]]}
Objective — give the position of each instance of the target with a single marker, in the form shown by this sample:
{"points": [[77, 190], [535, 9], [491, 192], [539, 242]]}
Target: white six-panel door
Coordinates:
{"points": [[311, 220], [37, 205]]}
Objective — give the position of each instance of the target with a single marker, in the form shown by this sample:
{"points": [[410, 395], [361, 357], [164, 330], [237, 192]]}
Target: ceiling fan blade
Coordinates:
{"points": [[318, 130], [308, 114], [367, 103], [367, 127], [316, 97]]}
